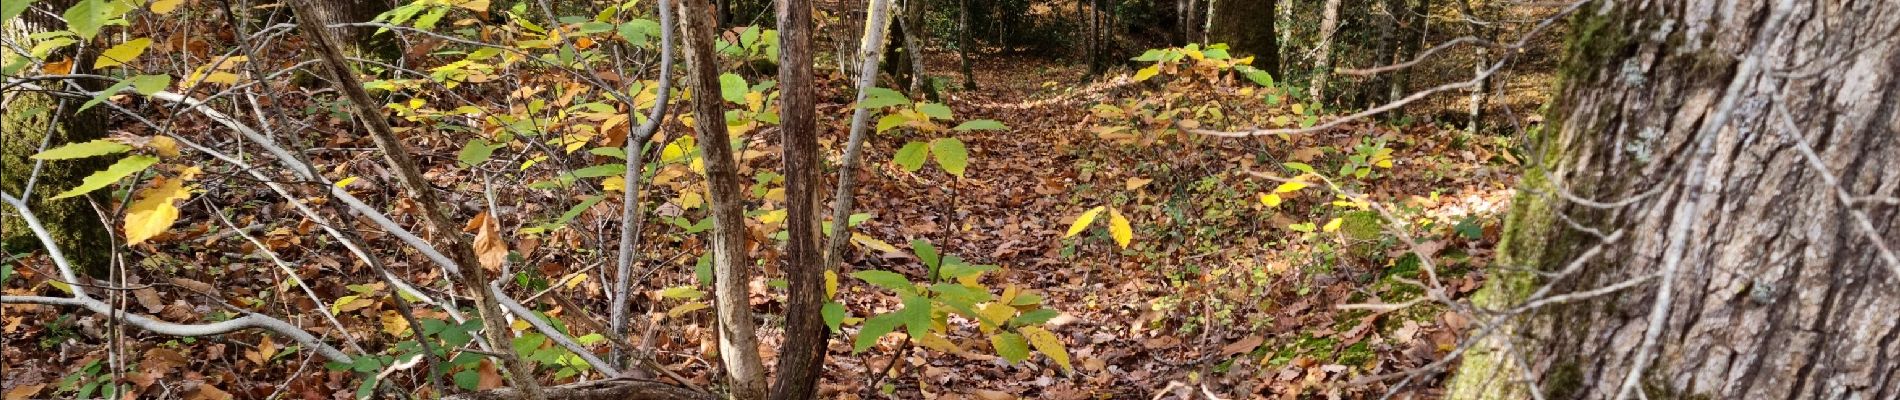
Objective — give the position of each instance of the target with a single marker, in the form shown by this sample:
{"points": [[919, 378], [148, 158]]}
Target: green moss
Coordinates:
{"points": [[74, 226]]}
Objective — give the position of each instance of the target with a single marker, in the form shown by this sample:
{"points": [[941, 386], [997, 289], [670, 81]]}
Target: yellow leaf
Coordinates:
{"points": [[488, 244], [1047, 343], [345, 182], [122, 53], [1146, 73], [266, 349], [1282, 120], [1269, 199], [685, 308], [936, 341], [473, 5], [1083, 221], [153, 213], [1137, 183], [873, 243], [691, 200], [616, 183], [576, 280], [1332, 225], [1290, 186], [165, 146], [1299, 108], [1119, 228], [393, 323], [831, 284], [994, 314], [162, 7]]}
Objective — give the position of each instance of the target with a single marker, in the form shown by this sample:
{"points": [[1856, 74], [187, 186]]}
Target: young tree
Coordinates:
{"points": [[802, 359], [1246, 26], [738, 341], [30, 120], [1736, 176]]}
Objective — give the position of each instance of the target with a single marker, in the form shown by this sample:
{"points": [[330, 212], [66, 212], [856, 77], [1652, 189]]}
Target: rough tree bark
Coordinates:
{"points": [[1323, 58], [359, 41], [913, 28], [26, 121], [738, 341], [1247, 28], [802, 359], [1766, 281], [963, 43]]}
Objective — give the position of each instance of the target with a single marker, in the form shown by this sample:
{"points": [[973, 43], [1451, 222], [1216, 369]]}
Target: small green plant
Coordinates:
{"points": [[1012, 320]]}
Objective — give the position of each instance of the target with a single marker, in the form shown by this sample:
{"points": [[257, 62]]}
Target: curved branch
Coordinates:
{"points": [[248, 321]]}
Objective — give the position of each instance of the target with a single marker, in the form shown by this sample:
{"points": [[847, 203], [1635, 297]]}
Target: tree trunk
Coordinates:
{"points": [[359, 41], [1766, 280], [738, 341], [26, 121], [1323, 60], [963, 43], [1483, 54], [1412, 34], [913, 24], [802, 359], [1247, 28]]}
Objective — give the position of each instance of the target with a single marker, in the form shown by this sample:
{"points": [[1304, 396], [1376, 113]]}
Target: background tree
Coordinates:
{"points": [[1736, 170], [1246, 26], [28, 121]]}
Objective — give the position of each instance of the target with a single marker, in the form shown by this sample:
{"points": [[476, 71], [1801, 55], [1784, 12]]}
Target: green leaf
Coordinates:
{"points": [[886, 279], [1010, 346], [10, 9], [878, 97], [82, 150], [833, 312], [1299, 167], [122, 53], [477, 151], [950, 154], [614, 152], [105, 94], [981, 125], [428, 21], [1037, 317], [911, 156], [601, 170], [732, 87], [916, 314], [925, 252], [468, 379], [87, 17], [125, 167], [146, 85], [1256, 75], [960, 270], [874, 329], [934, 110]]}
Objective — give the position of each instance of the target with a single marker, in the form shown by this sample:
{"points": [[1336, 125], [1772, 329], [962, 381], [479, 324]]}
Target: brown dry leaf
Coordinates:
{"points": [[986, 394], [1243, 345], [24, 392], [148, 298], [207, 392], [161, 361], [1137, 183], [488, 244], [195, 286]]}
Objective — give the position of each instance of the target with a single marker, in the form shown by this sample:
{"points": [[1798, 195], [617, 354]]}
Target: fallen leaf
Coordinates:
{"points": [[488, 244], [1243, 345]]}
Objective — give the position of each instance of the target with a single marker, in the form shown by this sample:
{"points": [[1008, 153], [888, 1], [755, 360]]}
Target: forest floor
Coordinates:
{"points": [[1218, 293]]}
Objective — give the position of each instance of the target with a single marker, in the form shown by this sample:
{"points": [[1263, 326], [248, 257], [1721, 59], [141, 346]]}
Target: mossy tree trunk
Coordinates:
{"points": [[1765, 280], [26, 121], [1247, 28]]}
